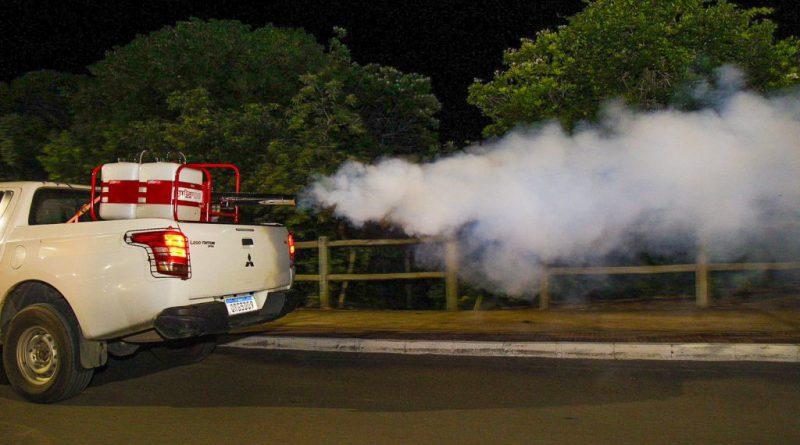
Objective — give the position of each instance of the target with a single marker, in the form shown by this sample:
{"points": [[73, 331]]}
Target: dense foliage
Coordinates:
{"points": [[33, 109], [649, 53], [270, 99]]}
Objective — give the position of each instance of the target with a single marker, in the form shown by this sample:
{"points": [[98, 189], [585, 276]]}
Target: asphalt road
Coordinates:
{"points": [[249, 397]]}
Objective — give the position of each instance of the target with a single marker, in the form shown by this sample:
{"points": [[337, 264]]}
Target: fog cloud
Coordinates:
{"points": [[540, 195]]}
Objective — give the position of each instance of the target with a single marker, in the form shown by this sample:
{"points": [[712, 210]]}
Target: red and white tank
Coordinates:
{"points": [[171, 190], [158, 179], [120, 190]]}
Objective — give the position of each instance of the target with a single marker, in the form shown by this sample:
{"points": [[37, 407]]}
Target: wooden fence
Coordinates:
{"points": [[701, 268], [324, 277]]}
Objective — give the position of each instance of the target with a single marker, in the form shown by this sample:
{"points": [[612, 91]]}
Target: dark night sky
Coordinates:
{"points": [[452, 42]]}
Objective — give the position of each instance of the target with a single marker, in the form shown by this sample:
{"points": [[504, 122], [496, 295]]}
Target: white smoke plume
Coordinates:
{"points": [[538, 196]]}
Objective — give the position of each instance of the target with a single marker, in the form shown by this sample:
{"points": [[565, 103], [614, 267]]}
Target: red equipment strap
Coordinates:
{"points": [[82, 211], [161, 192], [120, 192]]}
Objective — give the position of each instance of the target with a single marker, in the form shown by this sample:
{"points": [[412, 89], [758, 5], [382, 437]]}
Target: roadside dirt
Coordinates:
{"points": [[774, 321]]}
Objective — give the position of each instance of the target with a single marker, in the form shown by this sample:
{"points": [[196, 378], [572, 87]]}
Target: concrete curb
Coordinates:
{"points": [[578, 350]]}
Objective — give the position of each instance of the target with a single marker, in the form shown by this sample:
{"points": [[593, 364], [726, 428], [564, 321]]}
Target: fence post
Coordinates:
{"points": [[701, 279], [544, 290], [324, 294], [451, 275]]}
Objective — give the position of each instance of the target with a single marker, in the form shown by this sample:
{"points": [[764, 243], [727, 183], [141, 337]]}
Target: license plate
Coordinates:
{"points": [[241, 304]]}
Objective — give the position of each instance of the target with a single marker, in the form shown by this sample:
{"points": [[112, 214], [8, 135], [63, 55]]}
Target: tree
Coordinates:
{"points": [[168, 76], [270, 99], [649, 53], [33, 108]]}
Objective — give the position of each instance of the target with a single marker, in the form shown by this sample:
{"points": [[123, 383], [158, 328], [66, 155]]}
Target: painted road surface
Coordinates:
{"points": [[245, 397]]}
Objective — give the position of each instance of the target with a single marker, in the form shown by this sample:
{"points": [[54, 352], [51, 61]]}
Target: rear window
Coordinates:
{"points": [[57, 205], [5, 199]]}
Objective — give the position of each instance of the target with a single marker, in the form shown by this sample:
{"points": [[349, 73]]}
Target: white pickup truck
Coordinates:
{"points": [[70, 293]]}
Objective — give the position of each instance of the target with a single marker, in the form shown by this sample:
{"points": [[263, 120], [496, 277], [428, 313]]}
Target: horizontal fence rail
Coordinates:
{"points": [[324, 277], [366, 242], [701, 268], [374, 276]]}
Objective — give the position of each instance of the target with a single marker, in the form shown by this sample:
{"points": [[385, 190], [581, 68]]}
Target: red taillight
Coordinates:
{"points": [[290, 242], [167, 250]]}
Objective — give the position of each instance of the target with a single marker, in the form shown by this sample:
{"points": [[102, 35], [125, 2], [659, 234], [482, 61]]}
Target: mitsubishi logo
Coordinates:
{"points": [[249, 262]]}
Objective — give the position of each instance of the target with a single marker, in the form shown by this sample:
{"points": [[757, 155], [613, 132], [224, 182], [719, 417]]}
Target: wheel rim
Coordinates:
{"points": [[37, 356]]}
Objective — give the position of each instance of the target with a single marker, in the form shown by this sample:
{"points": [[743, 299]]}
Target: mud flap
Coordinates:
{"points": [[93, 353]]}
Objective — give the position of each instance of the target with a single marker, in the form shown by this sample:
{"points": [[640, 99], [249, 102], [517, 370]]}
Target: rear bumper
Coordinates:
{"points": [[212, 318]]}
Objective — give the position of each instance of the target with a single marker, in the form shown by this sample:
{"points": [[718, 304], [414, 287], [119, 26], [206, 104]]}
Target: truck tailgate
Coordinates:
{"points": [[228, 259]]}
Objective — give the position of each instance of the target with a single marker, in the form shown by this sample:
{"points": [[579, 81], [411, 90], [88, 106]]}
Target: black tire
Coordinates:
{"points": [[184, 352], [41, 355]]}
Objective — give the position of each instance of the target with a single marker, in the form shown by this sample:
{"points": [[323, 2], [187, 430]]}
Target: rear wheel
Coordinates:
{"points": [[184, 352], [41, 355]]}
